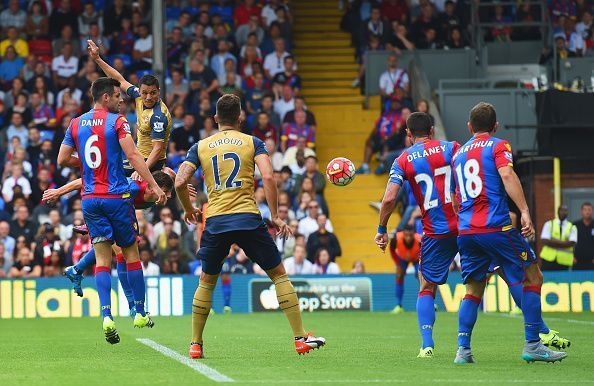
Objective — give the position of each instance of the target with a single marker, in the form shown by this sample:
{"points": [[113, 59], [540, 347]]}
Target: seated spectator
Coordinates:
{"points": [[395, 10], [66, 36], [148, 267], [264, 129], [176, 48], [237, 262], [95, 35], [276, 157], [22, 225], [19, 157], [323, 265], [287, 77], [64, 66], [387, 135], [273, 33], [284, 24], [63, 15], [243, 11], [16, 179], [285, 103], [502, 32], [582, 28], [298, 264], [575, 41], [251, 27], [448, 20], [7, 241], [260, 197], [292, 131], [232, 85], [55, 219], [289, 245], [254, 95], [208, 128], [309, 224], [70, 92], [11, 66], [25, 266], [374, 26], [165, 215], [456, 40], [549, 55], [291, 158], [217, 62], [12, 39], [173, 265], [392, 79], [123, 39], [429, 41], [10, 97], [201, 79], [43, 116], [310, 118], [224, 10], [13, 16], [268, 108], [28, 70], [143, 49], [323, 239], [21, 107], [311, 172], [250, 57], [178, 88], [399, 39], [182, 138], [358, 268], [426, 20], [87, 17], [274, 61]]}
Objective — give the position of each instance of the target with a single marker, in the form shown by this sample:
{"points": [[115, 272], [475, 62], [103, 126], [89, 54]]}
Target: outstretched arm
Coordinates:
{"points": [[137, 162], [265, 167], [182, 179], [107, 69], [52, 195], [388, 204]]}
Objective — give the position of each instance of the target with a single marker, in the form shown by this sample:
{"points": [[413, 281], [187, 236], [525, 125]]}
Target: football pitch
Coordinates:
{"points": [[256, 349]]}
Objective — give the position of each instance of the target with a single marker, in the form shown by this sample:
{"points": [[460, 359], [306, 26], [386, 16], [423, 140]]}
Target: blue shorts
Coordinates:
{"points": [[504, 249], [437, 255], [257, 244], [110, 219]]}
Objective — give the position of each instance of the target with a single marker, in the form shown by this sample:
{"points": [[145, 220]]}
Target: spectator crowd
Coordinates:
{"points": [[212, 47]]}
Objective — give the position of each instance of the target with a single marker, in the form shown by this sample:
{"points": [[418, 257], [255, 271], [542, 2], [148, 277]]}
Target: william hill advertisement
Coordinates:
{"points": [[317, 294]]}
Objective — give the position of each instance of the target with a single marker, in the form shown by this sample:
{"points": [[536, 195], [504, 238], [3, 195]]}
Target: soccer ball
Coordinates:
{"points": [[340, 171]]}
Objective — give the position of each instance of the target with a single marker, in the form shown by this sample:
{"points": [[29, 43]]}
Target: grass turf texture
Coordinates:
{"points": [[374, 348]]}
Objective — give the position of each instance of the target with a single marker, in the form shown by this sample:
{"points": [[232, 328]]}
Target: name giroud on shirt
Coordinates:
{"points": [[225, 141]]}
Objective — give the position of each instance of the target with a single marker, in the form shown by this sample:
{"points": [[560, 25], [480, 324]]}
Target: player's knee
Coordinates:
{"points": [[475, 288], [533, 276], [276, 272], [210, 279], [426, 286]]}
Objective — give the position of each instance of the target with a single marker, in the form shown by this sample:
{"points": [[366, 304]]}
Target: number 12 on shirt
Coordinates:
{"points": [[230, 183]]}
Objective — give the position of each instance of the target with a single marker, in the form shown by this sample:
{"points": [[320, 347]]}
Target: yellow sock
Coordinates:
{"points": [[201, 309], [289, 303]]}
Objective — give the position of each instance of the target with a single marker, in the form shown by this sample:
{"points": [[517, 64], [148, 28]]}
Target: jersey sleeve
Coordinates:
{"points": [[397, 173], [192, 156], [502, 153], [133, 92], [259, 147], [68, 140], [159, 123], [122, 127]]}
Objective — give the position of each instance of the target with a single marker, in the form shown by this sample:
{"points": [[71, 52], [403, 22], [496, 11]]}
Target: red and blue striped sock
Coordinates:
{"points": [[517, 293], [226, 281], [399, 291], [123, 276], [532, 312], [103, 283], [136, 281], [467, 318], [426, 317]]}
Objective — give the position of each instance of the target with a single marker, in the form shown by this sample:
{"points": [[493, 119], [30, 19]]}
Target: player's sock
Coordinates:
{"points": [[426, 317], [399, 291], [136, 281], [532, 312], [87, 261], [201, 309], [289, 303], [467, 318], [517, 293], [226, 281], [123, 276], [103, 283]]}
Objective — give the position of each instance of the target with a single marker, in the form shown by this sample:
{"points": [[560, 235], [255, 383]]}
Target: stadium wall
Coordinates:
{"points": [[172, 295]]}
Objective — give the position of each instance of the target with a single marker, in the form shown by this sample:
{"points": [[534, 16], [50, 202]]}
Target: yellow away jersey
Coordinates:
{"points": [[227, 160], [153, 124]]}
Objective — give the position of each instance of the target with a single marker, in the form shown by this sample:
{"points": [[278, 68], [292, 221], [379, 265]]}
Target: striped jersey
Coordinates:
{"points": [[426, 166], [481, 193], [95, 135]]}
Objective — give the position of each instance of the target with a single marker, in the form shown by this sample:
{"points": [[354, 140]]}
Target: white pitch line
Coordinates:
{"points": [[545, 317], [193, 364], [399, 381]]}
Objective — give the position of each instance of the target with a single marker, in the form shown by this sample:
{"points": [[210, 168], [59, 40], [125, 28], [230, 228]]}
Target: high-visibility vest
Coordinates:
{"points": [[563, 256]]}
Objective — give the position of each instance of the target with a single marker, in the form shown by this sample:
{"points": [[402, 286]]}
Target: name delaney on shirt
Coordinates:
{"points": [[474, 145], [426, 152], [225, 141]]}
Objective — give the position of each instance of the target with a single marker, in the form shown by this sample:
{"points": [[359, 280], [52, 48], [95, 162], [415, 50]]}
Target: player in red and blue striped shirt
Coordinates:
{"points": [[426, 166], [102, 138], [483, 169]]}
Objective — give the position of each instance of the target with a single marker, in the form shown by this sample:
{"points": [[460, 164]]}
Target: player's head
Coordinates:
{"points": [[409, 234], [419, 125], [164, 181], [562, 212], [228, 111], [149, 90], [106, 92], [483, 119]]}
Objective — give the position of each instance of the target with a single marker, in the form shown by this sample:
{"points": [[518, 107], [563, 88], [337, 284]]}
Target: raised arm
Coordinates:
{"points": [[182, 180], [107, 69], [388, 204], [265, 167]]}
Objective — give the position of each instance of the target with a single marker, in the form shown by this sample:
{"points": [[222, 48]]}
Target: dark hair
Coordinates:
{"points": [[319, 252], [228, 109], [408, 227], [163, 179], [286, 169], [419, 124], [587, 203], [149, 80], [291, 57], [102, 86], [483, 117]]}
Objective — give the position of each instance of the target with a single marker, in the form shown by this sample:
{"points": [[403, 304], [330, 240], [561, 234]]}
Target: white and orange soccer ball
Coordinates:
{"points": [[340, 171]]}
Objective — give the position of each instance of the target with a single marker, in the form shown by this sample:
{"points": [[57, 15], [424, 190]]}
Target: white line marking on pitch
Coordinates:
{"points": [[588, 322], [386, 381], [193, 364]]}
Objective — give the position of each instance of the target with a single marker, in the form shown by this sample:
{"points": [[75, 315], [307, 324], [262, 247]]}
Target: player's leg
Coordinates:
{"points": [[426, 316], [401, 266], [226, 288], [518, 263], [101, 233], [123, 278], [259, 247], [75, 272]]}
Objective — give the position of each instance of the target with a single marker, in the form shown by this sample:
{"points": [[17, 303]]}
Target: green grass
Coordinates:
{"points": [[376, 348]]}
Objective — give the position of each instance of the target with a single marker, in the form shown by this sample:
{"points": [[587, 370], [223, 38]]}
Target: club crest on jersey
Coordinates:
{"points": [[508, 156], [126, 127], [159, 126], [524, 255]]}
